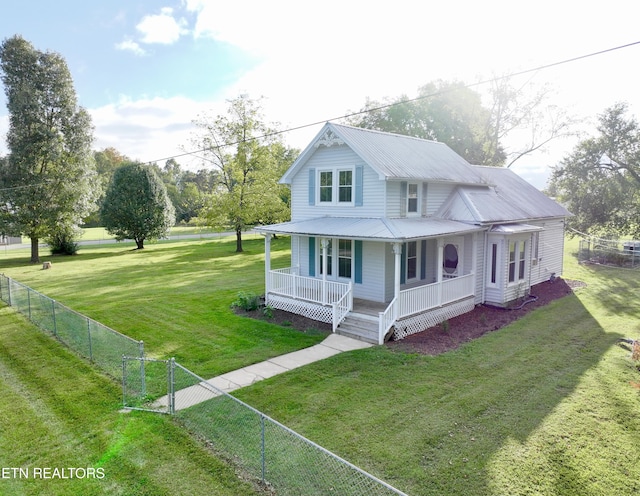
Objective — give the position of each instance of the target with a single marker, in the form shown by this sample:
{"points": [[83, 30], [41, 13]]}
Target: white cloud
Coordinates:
{"points": [[131, 46], [150, 130], [162, 28]]}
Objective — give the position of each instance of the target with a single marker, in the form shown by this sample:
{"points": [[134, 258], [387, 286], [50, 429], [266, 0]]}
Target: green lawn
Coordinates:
{"points": [[174, 296], [57, 412], [549, 405]]}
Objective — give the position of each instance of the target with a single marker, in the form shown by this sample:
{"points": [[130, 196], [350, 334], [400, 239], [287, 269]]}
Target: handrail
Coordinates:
{"points": [[341, 308], [386, 319]]}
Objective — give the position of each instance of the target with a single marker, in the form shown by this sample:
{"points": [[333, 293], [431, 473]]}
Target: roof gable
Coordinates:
{"points": [[393, 156], [509, 199]]}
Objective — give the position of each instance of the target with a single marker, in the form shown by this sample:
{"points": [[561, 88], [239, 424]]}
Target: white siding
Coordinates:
{"points": [[373, 272], [393, 198], [437, 193], [550, 251], [341, 157]]}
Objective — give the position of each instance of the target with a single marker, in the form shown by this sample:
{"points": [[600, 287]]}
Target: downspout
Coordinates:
{"points": [[486, 264]]}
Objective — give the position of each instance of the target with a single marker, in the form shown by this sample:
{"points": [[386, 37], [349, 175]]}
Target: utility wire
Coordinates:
{"points": [[408, 101]]}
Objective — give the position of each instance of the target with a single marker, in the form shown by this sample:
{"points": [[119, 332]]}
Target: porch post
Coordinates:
{"points": [[440, 265], [324, 243], [397, 251], [267, 266]]}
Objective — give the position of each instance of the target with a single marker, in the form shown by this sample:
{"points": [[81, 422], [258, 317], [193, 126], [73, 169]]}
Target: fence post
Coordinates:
{"points": [[124, 381], [53, 313], [89, 334], [171, 387], [143, 376], [263, 454], [29, 302], [9, 290]]}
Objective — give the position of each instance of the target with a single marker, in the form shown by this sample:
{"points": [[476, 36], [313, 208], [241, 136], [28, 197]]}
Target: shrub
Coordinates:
{"points": [[247, 301], [63, 242]]}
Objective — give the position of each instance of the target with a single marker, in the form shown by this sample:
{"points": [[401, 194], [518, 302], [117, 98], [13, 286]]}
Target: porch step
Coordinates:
{"points": [[360, 326]]}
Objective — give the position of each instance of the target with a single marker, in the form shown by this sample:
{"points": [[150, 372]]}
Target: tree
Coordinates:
{"points": [[136, 205], [454, 114], [250, 159], [599, 182], [47, 179]]}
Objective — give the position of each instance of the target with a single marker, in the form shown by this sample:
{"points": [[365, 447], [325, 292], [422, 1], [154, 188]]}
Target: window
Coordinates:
{"points": [[344, 258], [326, 186], [336, 186], [450, 263], [494, 262], [345, 186], [412, 260], [517, 261], [412, 198], [329, 258], [512, 261], [521, 260]]}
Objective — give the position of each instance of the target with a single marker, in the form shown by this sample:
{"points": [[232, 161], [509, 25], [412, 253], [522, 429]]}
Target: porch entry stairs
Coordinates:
{"points": [[416, 309]]}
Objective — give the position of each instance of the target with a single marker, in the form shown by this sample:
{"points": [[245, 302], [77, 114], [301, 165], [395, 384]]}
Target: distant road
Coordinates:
{"points": [[108, 241]]}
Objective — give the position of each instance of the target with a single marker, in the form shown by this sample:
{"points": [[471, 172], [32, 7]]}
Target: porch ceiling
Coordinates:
{"points": [[371, 229]]}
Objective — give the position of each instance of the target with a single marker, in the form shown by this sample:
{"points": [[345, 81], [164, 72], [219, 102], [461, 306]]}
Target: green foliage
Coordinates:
{"points": [[49, 174], [136, 205], [249, 159], [63, 241], [599, 181], [246, 301]]}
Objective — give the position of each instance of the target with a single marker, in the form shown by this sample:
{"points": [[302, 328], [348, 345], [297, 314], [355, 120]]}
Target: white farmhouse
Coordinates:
{"points": [[391, 235]]}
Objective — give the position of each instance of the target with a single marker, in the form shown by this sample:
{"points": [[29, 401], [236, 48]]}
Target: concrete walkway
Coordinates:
{"points": [[246, 376]]}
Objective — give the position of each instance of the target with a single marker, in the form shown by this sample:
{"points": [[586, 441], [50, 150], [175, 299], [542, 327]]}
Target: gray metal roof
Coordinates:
{"points": [[370, 228], [394, 156], [510, 199]]}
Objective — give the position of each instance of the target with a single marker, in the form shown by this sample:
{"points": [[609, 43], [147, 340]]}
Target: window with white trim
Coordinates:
{"points": [[345, 258], [412, 198], [517, 261], [412, 260], [335, 186]]}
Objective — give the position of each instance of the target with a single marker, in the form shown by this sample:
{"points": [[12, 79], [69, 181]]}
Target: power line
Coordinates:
{"points": [[411, 100]]}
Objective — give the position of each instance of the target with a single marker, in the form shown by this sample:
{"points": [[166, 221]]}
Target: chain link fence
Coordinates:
{"points": [[90, 339], [609, 252], [284, 462]]}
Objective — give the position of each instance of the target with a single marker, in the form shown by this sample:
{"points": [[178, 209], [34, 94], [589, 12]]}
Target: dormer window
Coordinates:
{"points": [[346, 186], [326, 186], [412, 198]]}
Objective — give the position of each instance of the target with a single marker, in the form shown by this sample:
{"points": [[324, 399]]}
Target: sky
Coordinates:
{"points": [[146, 69]]}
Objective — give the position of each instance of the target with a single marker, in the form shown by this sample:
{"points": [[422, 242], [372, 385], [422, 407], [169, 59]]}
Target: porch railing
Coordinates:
{"points": [[338, 295], [424, 298]]}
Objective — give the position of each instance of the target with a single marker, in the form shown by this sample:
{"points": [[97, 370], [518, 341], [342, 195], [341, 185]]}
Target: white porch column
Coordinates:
{"points": [[440, 268], [267, 266], [324, 243], [397, 251]]}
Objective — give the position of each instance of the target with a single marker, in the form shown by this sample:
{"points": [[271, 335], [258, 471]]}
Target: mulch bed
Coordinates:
{"points": [[456, 331], [480, 320]]}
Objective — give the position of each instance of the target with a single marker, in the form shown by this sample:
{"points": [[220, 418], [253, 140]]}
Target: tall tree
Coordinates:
{"points": [[454, 114], [249, 158], [599, 181], [136, 205], [47, 179]]}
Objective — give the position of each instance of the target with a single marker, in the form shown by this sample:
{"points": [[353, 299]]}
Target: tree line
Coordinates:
{"points": [[52, 182]]}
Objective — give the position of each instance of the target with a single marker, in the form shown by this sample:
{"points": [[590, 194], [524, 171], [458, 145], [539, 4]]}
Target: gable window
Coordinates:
{"points": [[412, 198], [336, 186], [326, 186]]}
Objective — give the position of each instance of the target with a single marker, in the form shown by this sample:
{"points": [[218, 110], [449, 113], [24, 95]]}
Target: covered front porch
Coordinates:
{"points": [[413, 307]]}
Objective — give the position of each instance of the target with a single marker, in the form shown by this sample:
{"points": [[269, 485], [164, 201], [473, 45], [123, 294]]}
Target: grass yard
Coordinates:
{"points": [[173, 295], [547, 406], [58, 412]]}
